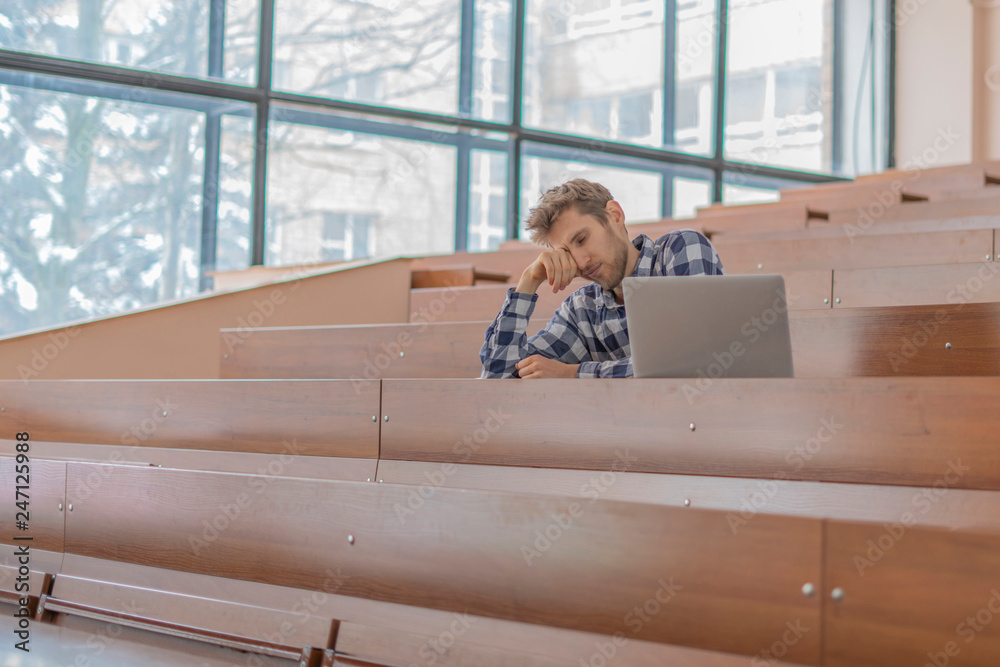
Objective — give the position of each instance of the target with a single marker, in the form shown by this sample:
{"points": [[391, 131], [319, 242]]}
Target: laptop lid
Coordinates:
{"points": [[708, 326]]}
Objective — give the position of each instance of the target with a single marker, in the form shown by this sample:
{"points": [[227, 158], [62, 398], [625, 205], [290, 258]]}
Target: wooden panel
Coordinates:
{"points": [[955, 177], [557, 648], [318, 418], [822, 229], [830, 196], [899, 340], [470, 552], [875, 214], [912, 596], [869, 250], [513, 262], [179, 340], [917, 285], [443, 276], [361, 353], [479, 303], [808, 290], [864, 430], [768, 216], [744, 498], [46, 493], [320, 467]]}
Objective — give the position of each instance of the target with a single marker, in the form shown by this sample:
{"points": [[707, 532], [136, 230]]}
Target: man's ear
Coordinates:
{"points": [[616, 216]]}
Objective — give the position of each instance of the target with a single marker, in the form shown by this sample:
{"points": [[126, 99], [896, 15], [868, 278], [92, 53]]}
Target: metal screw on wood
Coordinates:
{"points": [[374, 418], [826, 301], [225, 356], [691, 426], [387, 417], [808, 589], [70, 507], [947, 346], [164, 413], [687, 502], [369, 479], [60, 507], [350, 539], [760, 266], [837, 594], [401, 353], [837, 300]]}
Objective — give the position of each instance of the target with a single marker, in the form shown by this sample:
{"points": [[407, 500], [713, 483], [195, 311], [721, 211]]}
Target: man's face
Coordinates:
{"points": [[600, 252]]}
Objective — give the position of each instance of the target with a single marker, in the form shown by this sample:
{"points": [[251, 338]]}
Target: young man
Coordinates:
{"points": [[584, 229]]}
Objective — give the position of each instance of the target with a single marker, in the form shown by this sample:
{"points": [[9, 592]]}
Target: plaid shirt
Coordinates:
{"points": [[589, 328]]}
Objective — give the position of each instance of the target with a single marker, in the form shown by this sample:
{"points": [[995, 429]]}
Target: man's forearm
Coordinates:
{"points": [[527, 284]]}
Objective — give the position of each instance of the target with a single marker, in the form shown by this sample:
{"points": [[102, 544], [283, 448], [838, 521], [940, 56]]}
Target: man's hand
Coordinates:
{"points": [[556, 266], [537, 366]]}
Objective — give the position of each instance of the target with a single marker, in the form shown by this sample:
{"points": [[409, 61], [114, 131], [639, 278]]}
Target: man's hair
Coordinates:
{"points": [[586, 197]]}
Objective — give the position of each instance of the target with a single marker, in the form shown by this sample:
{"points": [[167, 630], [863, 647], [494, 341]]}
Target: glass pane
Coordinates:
{"points": [[778, 90], [381, 52], [742, 194], [102, 202], [694, 97], [690, 195], [638, 192], [595, 69], [491, 67], [487, 200], [235, 204], [154, 35], [340, 195]]}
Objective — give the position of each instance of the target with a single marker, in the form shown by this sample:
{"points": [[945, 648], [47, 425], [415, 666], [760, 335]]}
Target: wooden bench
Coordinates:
{"points": [[863, 251], [900, 431], [469, 552], [917, 285], [927, 340], [482, 302], [313, 428], [769, 216], [987, 202]]}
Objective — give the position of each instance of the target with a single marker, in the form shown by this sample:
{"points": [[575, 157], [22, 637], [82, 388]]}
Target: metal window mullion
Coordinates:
{"points": [[719, 117], [669, 98], [463, 166], [837, 114], [890, 139], [264, 58], [213, 147], [514, 147]]}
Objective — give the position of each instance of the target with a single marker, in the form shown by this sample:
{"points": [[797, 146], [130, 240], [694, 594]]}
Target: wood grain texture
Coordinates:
{"points": [[462, 551], [315, 418], [869, 250], [553, 647], [88, 642], [444, 276], [822, 229], [959, 509], [755, 217], [876, 430], [917, 285], [134, 606], [319, 467], [829, 196], [908, 595], [479, 303], [361, 353], [47, 490], [986, 204]]}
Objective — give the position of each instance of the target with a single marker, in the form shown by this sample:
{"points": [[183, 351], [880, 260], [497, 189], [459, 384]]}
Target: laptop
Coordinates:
{"points": [[708, 326]]}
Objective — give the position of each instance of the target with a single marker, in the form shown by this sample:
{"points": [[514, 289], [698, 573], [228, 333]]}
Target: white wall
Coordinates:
{"points": [[934, 82]]}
